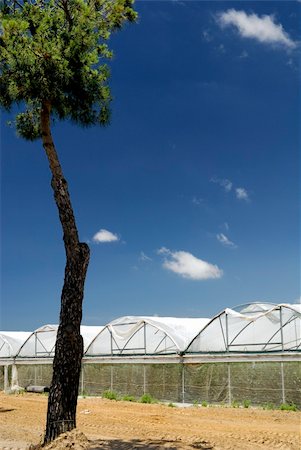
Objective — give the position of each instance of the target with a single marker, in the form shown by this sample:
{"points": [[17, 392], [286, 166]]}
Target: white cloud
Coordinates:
{"points": [[103, 236], [244, 54], [162, 251], [241, 194], [197, 201], [263, 29], [221, 48], [223, 182], [227, 185], [222, 238], [207, 36], [144, 257], [188, 266]]}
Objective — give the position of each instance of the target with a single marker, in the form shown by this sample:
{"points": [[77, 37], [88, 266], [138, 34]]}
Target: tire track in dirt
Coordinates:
{"points": [[125, 425]]}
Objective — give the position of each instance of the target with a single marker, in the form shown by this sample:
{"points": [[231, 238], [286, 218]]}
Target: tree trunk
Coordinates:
{"points": [[61, 414]]}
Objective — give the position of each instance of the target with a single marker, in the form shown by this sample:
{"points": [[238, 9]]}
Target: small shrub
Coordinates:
{"points": [[110, 395], [269, 405], [246, 403], [288, 407], [171, 405], [235, 404], [129, 398], [84, 393], [147, 398], [204, 404], [195, 403]]}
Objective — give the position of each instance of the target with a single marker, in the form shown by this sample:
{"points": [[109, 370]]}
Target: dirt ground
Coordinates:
{"points": [[112, 425]]}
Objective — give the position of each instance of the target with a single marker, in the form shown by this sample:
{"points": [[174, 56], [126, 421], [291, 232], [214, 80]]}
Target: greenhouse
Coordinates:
{"points": [[256, 327], [141, 335], [11, 342], [250, 352], [41, 343]]}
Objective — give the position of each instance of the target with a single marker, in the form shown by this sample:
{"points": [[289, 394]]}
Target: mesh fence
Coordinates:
{"points": [[258, 382], [37, 375], [1, 378]]}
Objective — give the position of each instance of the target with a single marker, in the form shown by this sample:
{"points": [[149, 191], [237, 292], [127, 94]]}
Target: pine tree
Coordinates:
{"points": [[53, 57]]}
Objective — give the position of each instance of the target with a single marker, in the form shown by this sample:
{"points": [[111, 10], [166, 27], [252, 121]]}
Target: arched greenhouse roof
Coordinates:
{"points": [[255, 327], [252, 328], [11, 341], [145, 335], [41, 342]]}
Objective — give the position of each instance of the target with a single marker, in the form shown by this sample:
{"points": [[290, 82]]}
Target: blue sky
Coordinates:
{"points": [[195, 184]]}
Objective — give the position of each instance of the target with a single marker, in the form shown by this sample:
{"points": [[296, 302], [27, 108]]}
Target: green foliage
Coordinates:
{"points": [[269, 405], [55, 51], [28, 124], [129, 398], [246, 403], [235, 404], [204, 404], [110, 395], [288, 407], [171, 405], [147, 398], [84, 393], [195, 403]]}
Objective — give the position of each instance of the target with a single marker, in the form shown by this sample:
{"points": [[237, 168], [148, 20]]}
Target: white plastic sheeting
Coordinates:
{"points": [[88, 333], [253, 328], [41, 342], [258, 327], [11, 341], [143, 335]]}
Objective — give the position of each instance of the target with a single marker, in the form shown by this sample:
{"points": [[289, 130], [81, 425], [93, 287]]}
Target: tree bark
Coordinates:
{"points": [[62, 402]]}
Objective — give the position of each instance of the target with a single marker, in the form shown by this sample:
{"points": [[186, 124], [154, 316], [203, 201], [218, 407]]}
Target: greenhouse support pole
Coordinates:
{"points": [[229, 384], [183, 383], [144, 379], [227, 334], [281, 364], [282, 382], [6, 383], [14, 376], [82, 380], [112, 379]]}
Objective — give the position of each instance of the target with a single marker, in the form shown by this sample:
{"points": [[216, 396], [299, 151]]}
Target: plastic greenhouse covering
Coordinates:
{"points": [[253, 328], [145, 335], [11, 341], [39, 343], [249, 352]]}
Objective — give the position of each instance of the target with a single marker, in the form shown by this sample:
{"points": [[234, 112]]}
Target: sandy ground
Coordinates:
{"points": [[112, 425]]}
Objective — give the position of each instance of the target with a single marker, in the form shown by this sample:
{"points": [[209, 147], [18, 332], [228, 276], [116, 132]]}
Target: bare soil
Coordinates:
{"points": [[112, 425]]}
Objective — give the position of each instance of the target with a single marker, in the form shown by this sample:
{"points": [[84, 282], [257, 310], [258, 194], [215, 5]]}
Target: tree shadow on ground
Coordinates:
{"points": [[116, 444], [136, 444], [4, 410]]}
